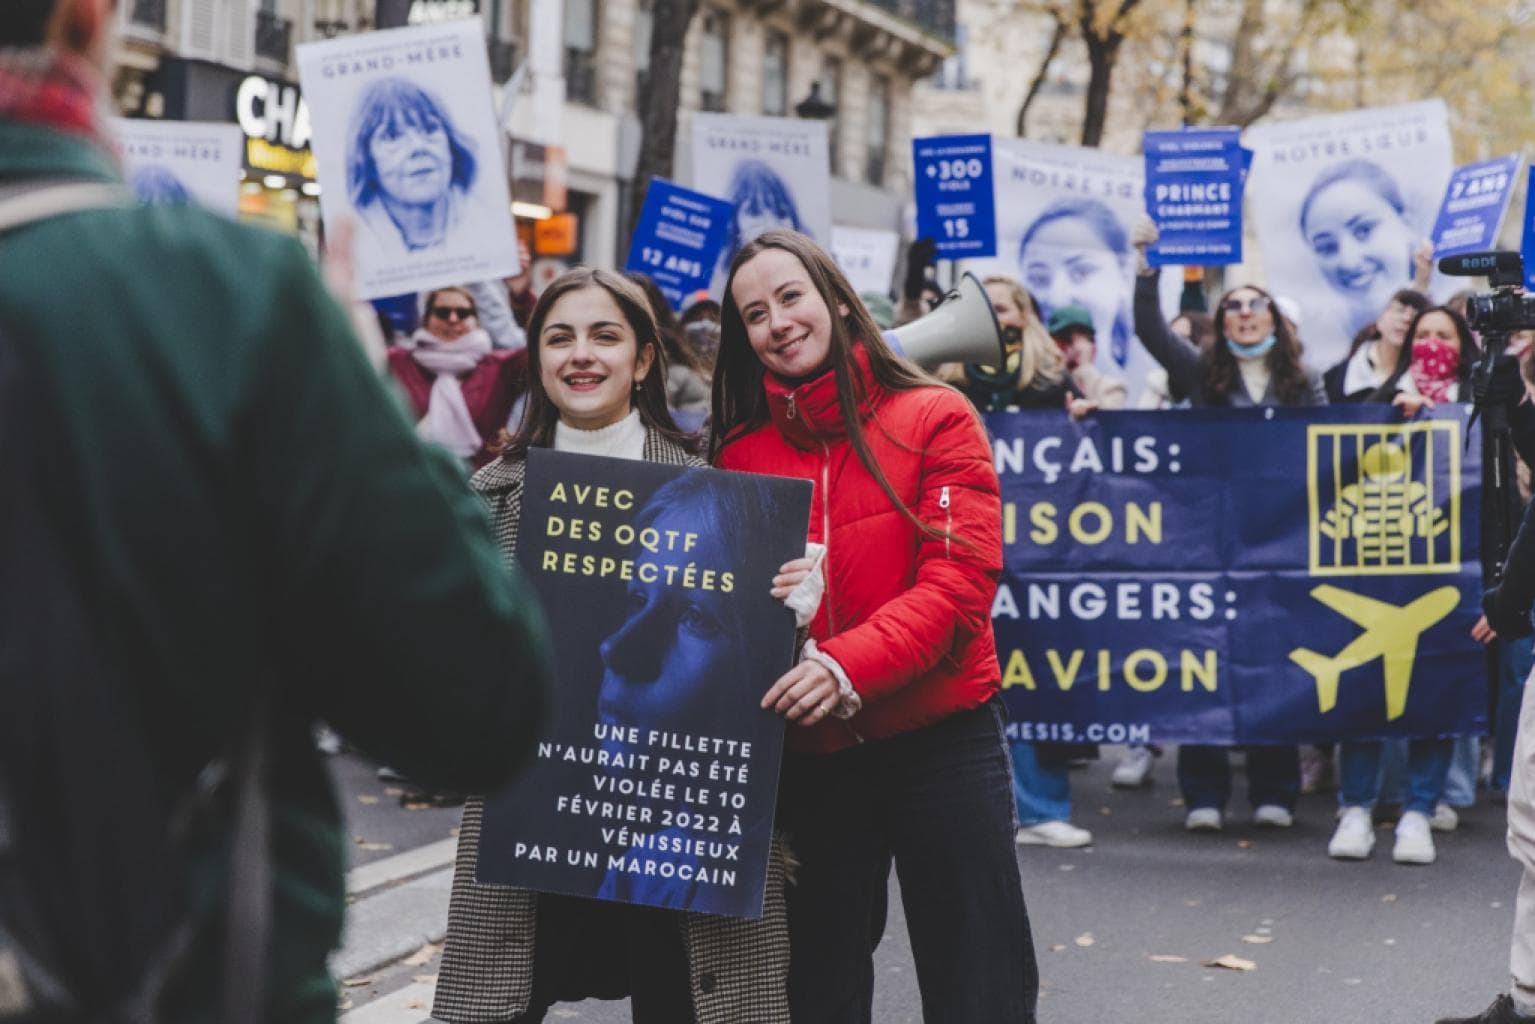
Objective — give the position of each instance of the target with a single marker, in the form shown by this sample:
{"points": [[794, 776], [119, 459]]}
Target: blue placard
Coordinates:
{"points": [[1194, 180], [679, 238], [1473, 206], [956, 204], [1233, 576], [1527, 238], [656, 767]]}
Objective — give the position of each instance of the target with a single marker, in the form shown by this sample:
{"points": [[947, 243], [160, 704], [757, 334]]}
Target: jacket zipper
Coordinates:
{"points": [[792, 413], [826, 601], [948, 519]]}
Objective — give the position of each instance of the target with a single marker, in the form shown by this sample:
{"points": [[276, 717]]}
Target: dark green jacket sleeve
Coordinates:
{"points": [[419, 643]]}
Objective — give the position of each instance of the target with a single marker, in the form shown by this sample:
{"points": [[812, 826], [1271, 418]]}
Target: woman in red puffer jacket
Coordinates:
{"points": [[895, 749]]}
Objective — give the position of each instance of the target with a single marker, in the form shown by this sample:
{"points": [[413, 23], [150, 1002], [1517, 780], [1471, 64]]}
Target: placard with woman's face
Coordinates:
{"points": [[408, 146], [1063, 223], [774, 169], [1340, 202]]}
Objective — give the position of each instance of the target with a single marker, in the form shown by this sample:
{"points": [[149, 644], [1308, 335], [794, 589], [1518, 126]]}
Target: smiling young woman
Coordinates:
{"points": [[597, 387], [895, 751]]}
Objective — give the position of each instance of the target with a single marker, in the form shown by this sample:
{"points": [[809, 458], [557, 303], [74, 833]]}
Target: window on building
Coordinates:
{"points": [[581, 50], [713, 57], [877, 130], [644, 25], [831, 92], [775, 75], [953, 74]]}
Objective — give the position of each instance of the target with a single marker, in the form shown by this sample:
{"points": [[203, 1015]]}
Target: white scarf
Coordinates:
{"points": [[447, 421]]}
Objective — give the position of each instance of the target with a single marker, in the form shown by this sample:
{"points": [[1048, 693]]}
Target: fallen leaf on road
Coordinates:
{"points": [[1231, 963], [1175, 802], [393, 791], [1105, 811], [422, 956], [1390, 897], [1244, 844], [1192, 903], [1068, 867], [358, 982], [345, 1003], [373, 847], [414, 1004], [1167, 958], [1085, 939], [1057, 948], [1257, 940], [425, 979], [367, 798]]}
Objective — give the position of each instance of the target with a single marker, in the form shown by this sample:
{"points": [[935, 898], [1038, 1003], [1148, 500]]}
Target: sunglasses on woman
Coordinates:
{"points": [[453, 312], [1256, 304]]}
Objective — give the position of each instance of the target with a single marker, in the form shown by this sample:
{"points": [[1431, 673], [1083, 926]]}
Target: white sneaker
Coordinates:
{"points": [[1414, 840], [1273, 816], [1203, 819], [1134, 768], [1355, 836], [1060, 834], [1445, 819]]}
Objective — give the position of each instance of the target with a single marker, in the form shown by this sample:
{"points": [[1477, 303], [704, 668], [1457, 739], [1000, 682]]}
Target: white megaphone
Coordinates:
{"points": [[962, 328]]}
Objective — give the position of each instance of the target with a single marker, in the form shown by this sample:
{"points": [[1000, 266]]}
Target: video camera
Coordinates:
{"points": [[1507, 307]]}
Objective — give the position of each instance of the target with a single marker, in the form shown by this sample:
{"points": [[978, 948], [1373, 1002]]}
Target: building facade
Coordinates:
{"points": [[574, 113]]}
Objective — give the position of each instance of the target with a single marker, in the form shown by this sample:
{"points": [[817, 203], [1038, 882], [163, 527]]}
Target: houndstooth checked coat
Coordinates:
{"points": [[739, 969]]}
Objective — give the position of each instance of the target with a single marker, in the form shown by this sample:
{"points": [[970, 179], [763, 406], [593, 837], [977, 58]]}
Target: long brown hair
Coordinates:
{"points": [[539, 414], [1219, 365], [740, 404]]}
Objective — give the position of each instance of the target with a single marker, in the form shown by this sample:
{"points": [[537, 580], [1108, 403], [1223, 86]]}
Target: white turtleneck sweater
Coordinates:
{"points": [[622, 440]]}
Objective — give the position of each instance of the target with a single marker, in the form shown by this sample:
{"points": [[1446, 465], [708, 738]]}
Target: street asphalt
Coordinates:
{"points": [[1123, 928]]}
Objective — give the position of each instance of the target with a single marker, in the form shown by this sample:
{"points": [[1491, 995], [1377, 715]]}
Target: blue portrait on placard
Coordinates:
{"points": [[155, 185], [685, 659], [1077, 253], [762, 200], [410, 171], [1355, 222]]}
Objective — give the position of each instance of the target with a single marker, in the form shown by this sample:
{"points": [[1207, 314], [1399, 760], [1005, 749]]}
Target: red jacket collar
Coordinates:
{"points": [[808, 414]]}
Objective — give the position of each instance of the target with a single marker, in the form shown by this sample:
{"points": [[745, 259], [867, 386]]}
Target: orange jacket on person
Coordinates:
{"points": [[906, 614]]}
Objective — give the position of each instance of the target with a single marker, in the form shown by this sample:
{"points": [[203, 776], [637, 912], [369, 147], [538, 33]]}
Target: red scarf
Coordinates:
{"points": [[1435, 365], [45, 87]]}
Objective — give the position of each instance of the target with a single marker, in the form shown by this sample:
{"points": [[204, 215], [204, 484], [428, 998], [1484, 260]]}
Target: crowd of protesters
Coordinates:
{"points": [[895, 757]]}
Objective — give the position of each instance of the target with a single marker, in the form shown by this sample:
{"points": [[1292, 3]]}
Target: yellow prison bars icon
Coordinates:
{"points": [[1383, 500]]}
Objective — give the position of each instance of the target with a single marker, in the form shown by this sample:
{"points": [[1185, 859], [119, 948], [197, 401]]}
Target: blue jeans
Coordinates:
{"points": [[935, 802], [1465, 764], [1204, 776], [1517, 662], [1040, 793], [1359, 773]]}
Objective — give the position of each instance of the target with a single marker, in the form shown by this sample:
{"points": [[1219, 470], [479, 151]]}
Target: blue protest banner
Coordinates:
{"points": [[1194, 181], [1527, 237], [1473, 206], [1239, 576], [956, 204], [679, 238], [656, 767]]}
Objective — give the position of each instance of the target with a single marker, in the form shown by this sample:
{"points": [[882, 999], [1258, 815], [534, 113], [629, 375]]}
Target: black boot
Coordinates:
{"points": [[1500, 1012]]}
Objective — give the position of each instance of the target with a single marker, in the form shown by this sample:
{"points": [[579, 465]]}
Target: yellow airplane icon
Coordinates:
{"points": [[1390, 633]]}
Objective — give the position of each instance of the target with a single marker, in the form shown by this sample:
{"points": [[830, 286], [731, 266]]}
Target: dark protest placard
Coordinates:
{"points": [[655, 774], [1194, 180]]}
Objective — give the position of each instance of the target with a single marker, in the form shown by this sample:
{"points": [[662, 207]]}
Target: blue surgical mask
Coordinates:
{"points": [[1257, 350]]}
